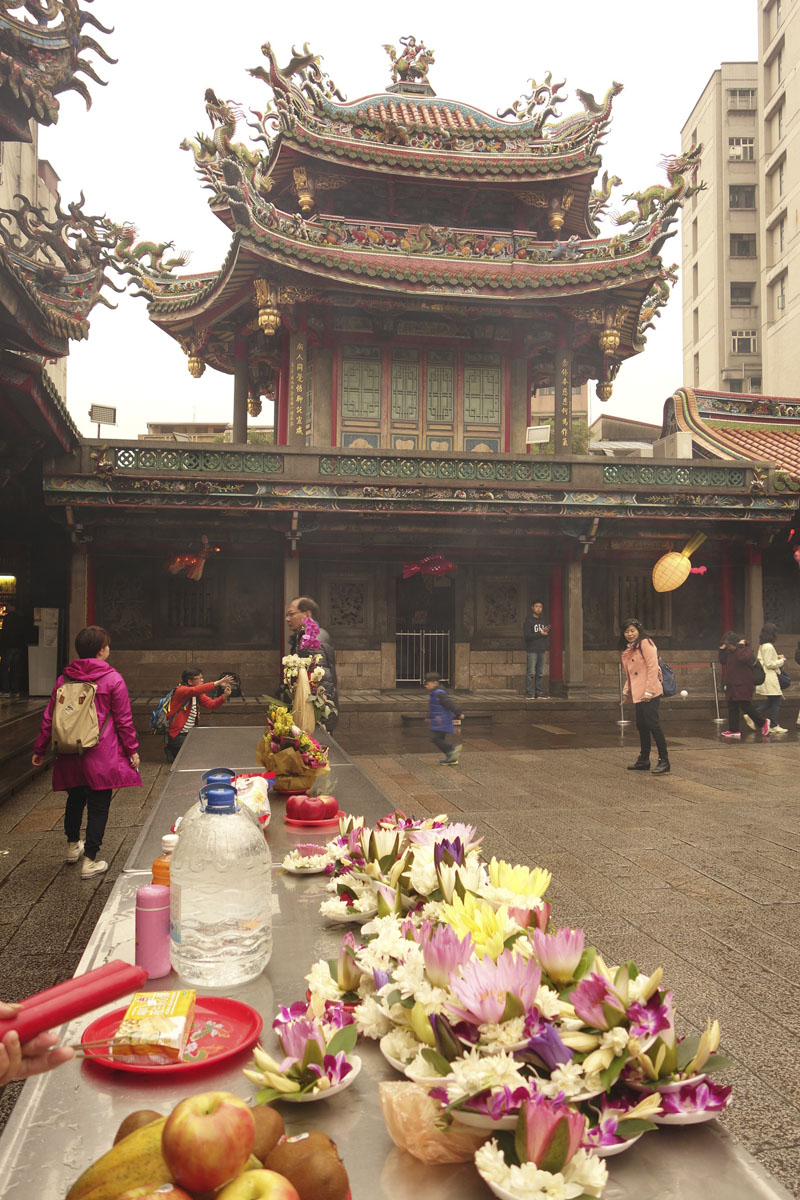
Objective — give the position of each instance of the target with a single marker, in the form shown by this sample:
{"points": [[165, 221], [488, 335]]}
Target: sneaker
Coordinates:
{"points": [[92, 867], [74, 851], [765, 729], [778, 729], [452, 757], [749, 722], [543, 697], [530, 697], [730, 734]]}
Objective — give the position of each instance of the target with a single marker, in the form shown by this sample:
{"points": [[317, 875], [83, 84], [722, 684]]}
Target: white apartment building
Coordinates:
{"points": [[741, 236]]}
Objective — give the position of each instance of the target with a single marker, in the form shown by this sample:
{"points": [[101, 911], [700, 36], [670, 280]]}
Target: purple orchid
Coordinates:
{"points": [[651, 1018], [286, 1015], [444, 953], [700, 1096], [336, 1015], [501, 1103], [597, 1003], [604, 1132], [309, 638], [334, 1068]]}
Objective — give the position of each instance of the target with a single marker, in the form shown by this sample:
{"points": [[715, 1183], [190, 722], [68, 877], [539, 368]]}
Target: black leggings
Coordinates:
{"points": [[648, 724], [97, 805], [736, 708]]}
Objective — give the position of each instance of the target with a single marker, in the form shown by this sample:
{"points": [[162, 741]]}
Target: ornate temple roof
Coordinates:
{"points": [[41, 59], [729, 425]]}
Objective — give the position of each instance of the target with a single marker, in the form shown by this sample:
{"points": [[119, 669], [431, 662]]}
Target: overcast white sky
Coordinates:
{"points": [[124, 154]]}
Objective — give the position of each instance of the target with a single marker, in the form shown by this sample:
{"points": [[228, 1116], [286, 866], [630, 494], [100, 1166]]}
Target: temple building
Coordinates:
{"points": [[407, 278]]}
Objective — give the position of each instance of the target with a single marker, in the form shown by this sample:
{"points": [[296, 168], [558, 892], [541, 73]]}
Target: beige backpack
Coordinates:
{"points": [[75, 725]]}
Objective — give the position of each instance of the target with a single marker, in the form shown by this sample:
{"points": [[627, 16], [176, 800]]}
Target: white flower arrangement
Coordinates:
{"points": [[400, 1044], [583, 1175], [295, 861]]}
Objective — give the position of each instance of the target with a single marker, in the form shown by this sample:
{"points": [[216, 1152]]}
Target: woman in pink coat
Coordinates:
{"points": [[89, 778], [643, 685]]}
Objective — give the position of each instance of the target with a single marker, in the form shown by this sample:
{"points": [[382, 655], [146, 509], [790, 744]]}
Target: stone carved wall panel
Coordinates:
{"points": [[347, 604], [500, 605]]}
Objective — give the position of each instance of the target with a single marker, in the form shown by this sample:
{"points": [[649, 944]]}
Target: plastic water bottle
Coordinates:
{"points": [[220, 895], [161, 865]]}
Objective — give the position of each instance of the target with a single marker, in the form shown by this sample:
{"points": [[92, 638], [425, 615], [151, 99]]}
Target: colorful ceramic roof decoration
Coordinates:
{"points": [[728, 425], [384, 202], [41, 58]]}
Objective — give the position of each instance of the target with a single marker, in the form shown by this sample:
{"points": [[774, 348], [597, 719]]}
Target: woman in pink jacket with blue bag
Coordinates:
{"points": [[90, 777], [643, 685]]}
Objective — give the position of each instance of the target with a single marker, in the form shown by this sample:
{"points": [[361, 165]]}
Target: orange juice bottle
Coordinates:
{"points": [[161, 864]]}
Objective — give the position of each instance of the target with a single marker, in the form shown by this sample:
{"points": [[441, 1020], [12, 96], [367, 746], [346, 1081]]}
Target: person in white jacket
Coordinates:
{"points": [[770, 690]]}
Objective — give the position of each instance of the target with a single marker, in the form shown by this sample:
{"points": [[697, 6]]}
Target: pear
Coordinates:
{"points": [[134, 1121]]}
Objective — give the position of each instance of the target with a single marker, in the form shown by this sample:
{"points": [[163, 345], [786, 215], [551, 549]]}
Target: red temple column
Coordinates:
{"points": [[555, 611]]}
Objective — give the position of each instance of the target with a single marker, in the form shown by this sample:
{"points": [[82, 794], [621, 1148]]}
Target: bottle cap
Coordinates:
{"points": [[220, 799], [168, 842], [218, 775], [152, 895]]}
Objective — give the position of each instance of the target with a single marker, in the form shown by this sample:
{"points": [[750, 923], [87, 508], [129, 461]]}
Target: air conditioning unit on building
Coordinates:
{"points": [[780, 302]]}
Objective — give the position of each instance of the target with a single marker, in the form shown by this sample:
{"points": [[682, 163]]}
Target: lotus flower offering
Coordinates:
{"points": [[297, 759], [510, 1027]]}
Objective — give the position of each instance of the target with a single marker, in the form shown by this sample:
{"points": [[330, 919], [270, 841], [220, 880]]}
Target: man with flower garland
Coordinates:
{"points": [[300, 611]]}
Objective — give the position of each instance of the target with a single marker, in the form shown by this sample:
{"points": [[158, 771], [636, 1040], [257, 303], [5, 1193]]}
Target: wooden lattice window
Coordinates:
{"points": [[405, 391], [635, 596], [440, 391], [361, 390], [481, 395], [190, 604]]}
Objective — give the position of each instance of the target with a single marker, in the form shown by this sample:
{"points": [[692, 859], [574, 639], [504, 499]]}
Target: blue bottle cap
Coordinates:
{"points": [[218, 775], [220, 799]]}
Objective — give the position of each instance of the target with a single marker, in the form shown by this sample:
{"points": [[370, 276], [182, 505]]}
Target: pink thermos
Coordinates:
{"points": [[152, 930]]}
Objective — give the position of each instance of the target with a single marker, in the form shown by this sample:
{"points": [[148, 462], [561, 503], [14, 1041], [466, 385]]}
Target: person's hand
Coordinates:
{"points": [[135, 760], [648, 695], [741, 642], [224, 681], [226, 691], [32, 1058], [37, 760]]}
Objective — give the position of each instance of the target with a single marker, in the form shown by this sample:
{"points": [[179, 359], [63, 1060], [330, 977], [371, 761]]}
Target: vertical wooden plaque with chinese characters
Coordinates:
{"points": [[297, 389], [562, 431]]}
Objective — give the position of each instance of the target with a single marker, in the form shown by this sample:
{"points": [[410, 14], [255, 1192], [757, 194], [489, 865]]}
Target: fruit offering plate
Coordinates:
{"points": [[222, 1028], [329, 821]]}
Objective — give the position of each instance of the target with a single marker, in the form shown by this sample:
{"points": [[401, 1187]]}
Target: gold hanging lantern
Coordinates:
{"points": [[673, 569], [196, 366], [254, 406], [269, 315], [604, 389], [304, 189], [608, 340]]}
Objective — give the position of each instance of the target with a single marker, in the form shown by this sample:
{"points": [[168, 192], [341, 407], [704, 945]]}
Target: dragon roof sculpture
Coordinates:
{"points": [[41, 59]]}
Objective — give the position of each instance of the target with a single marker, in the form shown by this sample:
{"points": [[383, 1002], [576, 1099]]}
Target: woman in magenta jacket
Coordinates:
{"points": [[643, 685], [89, 778]]}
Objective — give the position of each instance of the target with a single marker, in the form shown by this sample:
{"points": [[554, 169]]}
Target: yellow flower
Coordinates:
{"points": [[476, 917], [523, 880]]}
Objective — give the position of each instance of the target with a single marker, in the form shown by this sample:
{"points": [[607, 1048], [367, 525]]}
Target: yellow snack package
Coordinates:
{"points": [[156, 1026]]}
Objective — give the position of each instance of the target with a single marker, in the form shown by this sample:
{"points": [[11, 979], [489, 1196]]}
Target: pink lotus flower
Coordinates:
{"points": [[597, 1003], [294, 1038], [490, 992], [548, 1133], [348, 973], [444, 953], [559, 953]]}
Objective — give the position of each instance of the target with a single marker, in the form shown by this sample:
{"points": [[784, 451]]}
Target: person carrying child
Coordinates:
{"points": [[444, 714]]}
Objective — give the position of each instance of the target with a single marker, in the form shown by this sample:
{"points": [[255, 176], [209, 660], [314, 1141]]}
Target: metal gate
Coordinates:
{"points": [[420, 652]]}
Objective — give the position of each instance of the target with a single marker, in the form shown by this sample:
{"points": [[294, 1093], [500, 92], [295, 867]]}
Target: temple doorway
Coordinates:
{"points": [[426, 610]]}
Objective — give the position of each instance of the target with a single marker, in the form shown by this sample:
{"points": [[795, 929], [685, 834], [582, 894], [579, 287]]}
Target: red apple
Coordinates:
{"points": [[259, 1185], [207, 1140], [311, 808], [155, 1191]]}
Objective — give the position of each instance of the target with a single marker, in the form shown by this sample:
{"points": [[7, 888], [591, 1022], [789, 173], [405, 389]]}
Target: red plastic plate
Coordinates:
{"points": [[221, 1029], [315, 824]]}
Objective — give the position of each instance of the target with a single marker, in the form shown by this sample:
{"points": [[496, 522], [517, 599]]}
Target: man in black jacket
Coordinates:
{"points": [[13, 640], [535, 633], [300, 607]]}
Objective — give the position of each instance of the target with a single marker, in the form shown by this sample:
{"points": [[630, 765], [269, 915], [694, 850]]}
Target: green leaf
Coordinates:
{"points": [[687, 1050], [717, 1062], [344, 1039], [333, 967], [585, 962], [395, 997], [520, 1142], [611, 1072], [437, 1060], [267, 1095], [506, 1141], [311, 1054], [555, 1155], [513, 1007], [629, 1129]]}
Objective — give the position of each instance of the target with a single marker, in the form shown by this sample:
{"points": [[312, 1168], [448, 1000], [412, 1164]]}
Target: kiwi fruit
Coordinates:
{"points": [[269, 1130], [316, 1172], [134, 1121], [290, 1151]]}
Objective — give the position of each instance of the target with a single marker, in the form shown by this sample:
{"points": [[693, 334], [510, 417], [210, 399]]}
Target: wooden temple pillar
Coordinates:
{"points": [[753, 596], [555, 612], [322, 396], [241, 387], [726, 598], [562, 428], [81, 593], [573, 685]]}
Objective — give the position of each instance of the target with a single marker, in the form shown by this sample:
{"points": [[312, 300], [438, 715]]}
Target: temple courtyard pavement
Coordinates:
{"points": [[697, 871]]}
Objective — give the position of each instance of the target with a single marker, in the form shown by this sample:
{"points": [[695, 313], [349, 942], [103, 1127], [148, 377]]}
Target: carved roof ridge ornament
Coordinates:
{"points": [[660, 202], [38, 61], [410, 64], [60, 262], [290, 98]]}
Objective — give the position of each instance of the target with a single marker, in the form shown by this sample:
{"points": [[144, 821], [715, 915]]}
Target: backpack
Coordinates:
{"points": [[161, 716], [668, 684], [75, 727], [759, 674]]}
